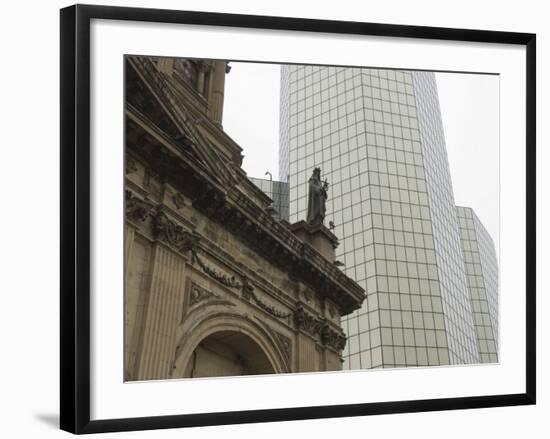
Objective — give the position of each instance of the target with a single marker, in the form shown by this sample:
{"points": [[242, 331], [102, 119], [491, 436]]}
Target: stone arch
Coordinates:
{"points": [[226, 323]]}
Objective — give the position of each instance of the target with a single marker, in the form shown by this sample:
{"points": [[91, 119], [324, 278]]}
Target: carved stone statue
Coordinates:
{"points": [[316, 199]]}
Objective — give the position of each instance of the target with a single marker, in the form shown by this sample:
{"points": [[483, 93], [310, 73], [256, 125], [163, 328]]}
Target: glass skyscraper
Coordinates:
{"points": [[482, 273], [377, 136], [278, 192]]}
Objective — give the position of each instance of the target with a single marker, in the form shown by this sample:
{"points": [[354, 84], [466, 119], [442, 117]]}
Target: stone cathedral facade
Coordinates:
{"points": [[215, 283]]}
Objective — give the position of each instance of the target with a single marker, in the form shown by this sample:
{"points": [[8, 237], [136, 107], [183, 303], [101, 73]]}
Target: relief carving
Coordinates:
{"points": [[228, 281], [131, 166], [173, 235], [178, 200], [198, 294], [248, 293], [332, 338], [246, 287], [137, 209], [307, 322], [319, 328]]}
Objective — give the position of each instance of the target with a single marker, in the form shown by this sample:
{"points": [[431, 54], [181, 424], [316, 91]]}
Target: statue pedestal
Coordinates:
{"points": [[318, 236]]}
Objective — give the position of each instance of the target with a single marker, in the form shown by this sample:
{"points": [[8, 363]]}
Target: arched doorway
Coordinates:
{"points": [[227, 353]]}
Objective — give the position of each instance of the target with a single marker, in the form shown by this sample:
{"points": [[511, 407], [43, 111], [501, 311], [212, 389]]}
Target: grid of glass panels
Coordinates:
{"points": [[489, 267], [361, 127], [278, 192], [481, 269], [284, 120], [459, 322]]}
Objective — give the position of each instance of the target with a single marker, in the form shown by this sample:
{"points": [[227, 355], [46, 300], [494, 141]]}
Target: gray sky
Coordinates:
{"points": [[469, 108]]}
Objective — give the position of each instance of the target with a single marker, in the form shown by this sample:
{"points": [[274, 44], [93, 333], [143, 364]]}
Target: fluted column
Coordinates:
{"points": [[307, 356], [129, 233], [163, 314], [215, 104]]}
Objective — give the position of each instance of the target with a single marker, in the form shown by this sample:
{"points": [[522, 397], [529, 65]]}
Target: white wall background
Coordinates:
{"points": [[29, 179]]}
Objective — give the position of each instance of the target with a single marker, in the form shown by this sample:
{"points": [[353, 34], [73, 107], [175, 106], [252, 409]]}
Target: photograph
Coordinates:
{"points": [[299, 218]]}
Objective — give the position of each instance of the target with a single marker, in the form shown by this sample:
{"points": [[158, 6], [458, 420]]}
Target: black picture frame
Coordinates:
{"points": [[75, 217]]}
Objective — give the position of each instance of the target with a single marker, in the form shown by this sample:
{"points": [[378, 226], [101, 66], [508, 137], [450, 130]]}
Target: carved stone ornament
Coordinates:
{"points": [[333, 338], [178, 200], [173, 235], [307, 322], [204, 66], [198, 294], [228, 281], [319, 328], [248, 293], [137, 209], [270, 309], [131, 166], [247, 289]]}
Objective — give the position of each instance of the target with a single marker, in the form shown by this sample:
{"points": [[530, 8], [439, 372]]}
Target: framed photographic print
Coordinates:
{"points": [[272, 218]]}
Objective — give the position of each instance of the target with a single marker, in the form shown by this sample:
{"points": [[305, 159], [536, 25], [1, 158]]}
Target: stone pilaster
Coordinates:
{"points": [[163, 314], [215, 103], [307, 356], [129, 233]]}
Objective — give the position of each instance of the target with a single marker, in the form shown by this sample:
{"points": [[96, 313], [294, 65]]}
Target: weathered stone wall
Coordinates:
{"points": [[176, 297]]}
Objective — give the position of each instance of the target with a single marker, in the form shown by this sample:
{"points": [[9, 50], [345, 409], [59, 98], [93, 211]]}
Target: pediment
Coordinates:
{"points": [[159, 104]]}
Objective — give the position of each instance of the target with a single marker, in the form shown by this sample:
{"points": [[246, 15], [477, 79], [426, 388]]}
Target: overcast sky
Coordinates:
{"points": [[469, 108]]}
